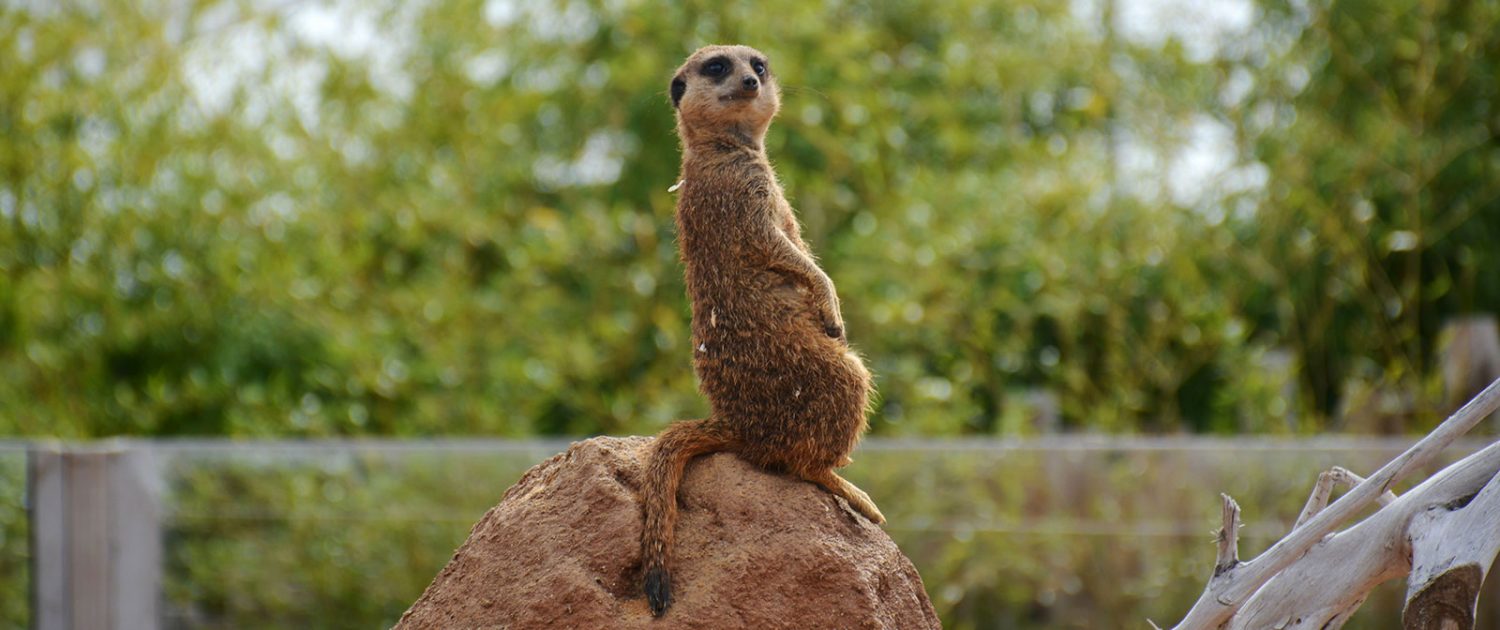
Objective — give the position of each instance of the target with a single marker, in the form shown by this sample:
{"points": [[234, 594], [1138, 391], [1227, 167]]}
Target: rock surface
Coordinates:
{"points": [[754, 550]]}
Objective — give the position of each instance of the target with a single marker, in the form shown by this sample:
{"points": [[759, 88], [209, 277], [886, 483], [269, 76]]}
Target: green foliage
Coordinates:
{"points": [[1381, 128], [15, 543], [452, 218]]}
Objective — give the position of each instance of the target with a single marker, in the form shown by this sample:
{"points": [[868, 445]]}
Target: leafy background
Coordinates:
{"points": [[230, 218], [307, 219]]}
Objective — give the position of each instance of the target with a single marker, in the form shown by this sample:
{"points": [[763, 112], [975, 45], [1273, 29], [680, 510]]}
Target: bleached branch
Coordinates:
{"points": [[1230, 589]]}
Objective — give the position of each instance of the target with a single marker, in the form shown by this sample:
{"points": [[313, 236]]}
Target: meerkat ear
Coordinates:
{"points": [[678, 88]]}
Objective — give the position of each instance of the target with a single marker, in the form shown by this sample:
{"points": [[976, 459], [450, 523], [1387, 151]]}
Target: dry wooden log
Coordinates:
{"points": [[1324, 587], [1313, 578], [1452, 548]]}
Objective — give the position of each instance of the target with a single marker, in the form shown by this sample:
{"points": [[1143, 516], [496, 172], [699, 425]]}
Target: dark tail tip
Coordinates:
{"points": [[658, 590]]}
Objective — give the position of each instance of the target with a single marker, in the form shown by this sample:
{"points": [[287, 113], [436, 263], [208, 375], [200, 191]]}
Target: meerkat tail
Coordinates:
{"points": [[669, 456]]}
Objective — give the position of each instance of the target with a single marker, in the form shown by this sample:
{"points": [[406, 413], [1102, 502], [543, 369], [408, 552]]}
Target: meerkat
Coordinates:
{"points": [[786, 392]]}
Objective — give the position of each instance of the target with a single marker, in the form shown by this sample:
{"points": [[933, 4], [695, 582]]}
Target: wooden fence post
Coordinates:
{"points": [[46, 506], [96, 537]]}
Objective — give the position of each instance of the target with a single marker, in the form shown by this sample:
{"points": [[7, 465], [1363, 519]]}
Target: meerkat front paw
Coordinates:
{"points": [[833, 325]]}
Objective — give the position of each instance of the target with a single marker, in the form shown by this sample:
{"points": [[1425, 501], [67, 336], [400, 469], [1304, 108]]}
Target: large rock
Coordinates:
{"points": [[754, 550]]}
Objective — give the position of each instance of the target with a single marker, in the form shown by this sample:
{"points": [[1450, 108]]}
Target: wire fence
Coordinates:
{"points": [[1058, 531]]}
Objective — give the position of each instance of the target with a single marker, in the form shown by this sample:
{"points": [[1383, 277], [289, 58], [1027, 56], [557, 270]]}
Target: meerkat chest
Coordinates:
{"points": [[724, 223]]}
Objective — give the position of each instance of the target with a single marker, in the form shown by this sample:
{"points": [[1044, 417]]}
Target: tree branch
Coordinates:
{"points": [[1323, 489], [1229, 590]]}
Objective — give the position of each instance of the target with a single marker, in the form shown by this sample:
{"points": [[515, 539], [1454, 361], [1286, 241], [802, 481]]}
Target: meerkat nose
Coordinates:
{"points": [[751, 84]]}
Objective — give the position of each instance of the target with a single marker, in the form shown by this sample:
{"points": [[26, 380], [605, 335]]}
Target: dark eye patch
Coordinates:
{"points": [[679, 87], [758, 65], [716, 68]]}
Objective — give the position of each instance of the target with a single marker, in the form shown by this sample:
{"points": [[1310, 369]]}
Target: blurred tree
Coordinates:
{"points": [[377, 217], [1379, 124]]}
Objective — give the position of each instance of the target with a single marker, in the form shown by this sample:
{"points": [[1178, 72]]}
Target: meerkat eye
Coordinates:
{"points": [[714, 68], [759, 67]]}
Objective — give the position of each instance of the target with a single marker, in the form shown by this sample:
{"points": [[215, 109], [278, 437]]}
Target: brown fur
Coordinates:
{"points": [[786, 391]]}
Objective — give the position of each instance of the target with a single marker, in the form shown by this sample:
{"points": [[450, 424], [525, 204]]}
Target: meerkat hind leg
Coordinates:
{"points": [[857, 498]]}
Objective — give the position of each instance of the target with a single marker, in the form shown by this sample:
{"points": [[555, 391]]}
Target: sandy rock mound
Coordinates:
{"points": [[754, 550]]}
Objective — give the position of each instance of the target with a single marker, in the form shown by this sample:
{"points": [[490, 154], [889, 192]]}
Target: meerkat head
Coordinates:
{"points": [[725, 90]]}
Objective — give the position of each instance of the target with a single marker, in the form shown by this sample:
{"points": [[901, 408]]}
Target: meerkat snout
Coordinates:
{"points": [[751, 83]]}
